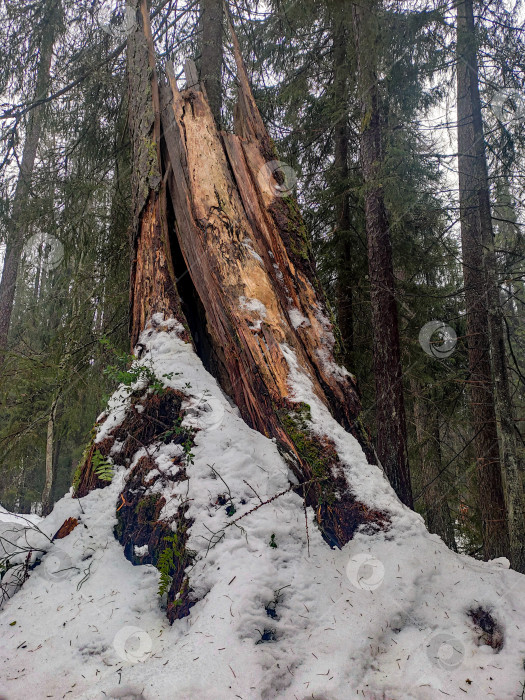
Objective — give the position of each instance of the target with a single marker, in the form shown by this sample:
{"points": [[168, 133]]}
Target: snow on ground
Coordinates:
{"points": [[18, 534], [385, 617], [22, 518]]}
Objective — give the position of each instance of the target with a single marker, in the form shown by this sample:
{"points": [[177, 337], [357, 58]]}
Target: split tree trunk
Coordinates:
{"points": [[247, 254], [152, 285], [487, 357], [390, 409], [241, 283], [18, 220]]}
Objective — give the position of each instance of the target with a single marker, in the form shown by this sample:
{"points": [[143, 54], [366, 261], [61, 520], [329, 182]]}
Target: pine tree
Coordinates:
{"points": [[390, 412], [47, 32], [486, 344]]}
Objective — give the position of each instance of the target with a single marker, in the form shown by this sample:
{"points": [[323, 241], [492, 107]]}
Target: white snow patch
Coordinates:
{"points": [[256, 307], [141, 551], [24, 519], [386, 616], [278, 273], [297, 319], [247, 243]]}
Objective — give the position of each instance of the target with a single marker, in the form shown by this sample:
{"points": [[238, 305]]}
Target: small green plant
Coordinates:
{"points": [[101, 466], [186, 433], [166, 562], [127, 372], [187, 443], [273, 543], [77, 476]]}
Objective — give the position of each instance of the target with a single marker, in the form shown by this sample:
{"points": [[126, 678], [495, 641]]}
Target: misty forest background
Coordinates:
{"points": [[65, 203]]}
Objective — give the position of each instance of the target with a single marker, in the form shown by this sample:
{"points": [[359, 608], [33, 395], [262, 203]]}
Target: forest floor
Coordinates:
{"points": [[279, 614]]}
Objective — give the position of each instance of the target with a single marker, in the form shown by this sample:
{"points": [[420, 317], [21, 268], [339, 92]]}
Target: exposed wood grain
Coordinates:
{"points": [[247, 253]]}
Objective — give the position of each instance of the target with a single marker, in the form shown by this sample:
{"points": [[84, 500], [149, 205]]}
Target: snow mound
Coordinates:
{"points": [[279, 613]]}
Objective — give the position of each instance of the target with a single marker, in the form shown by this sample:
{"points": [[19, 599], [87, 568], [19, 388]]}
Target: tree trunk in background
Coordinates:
{"points": [[18, 223], [47, 503], [487, 357], [437, 512], [341, 171], [212, 53], [390, 410], [508, 238]]}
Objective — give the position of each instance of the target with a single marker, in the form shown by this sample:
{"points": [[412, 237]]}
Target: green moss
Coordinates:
{"points": [[146, 508], [299, 239], [77, 476], [273, 149], [151, 147], [296, 425], [119, 527]]}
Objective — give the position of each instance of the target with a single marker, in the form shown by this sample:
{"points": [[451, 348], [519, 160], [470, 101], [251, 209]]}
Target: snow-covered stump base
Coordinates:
{"points": [[151, 436]]}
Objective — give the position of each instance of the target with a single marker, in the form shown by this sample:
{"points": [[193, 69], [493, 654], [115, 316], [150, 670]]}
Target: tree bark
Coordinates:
{"points": [[152, 285], [47, 503], [487, 357], [437, 512], [212, 54], [18, 220], [390, 410]]}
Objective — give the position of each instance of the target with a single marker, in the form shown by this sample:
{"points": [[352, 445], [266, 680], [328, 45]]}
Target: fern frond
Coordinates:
{"points": [[102, 467]]}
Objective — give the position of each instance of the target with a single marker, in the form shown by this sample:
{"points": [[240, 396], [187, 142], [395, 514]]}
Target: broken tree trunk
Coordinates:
{"points": [[221, 254], [152, 285], [212, 19], [246, 251]]}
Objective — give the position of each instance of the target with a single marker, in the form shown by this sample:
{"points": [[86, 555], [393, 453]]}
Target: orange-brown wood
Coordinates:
{"points": [[66, 528]]}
